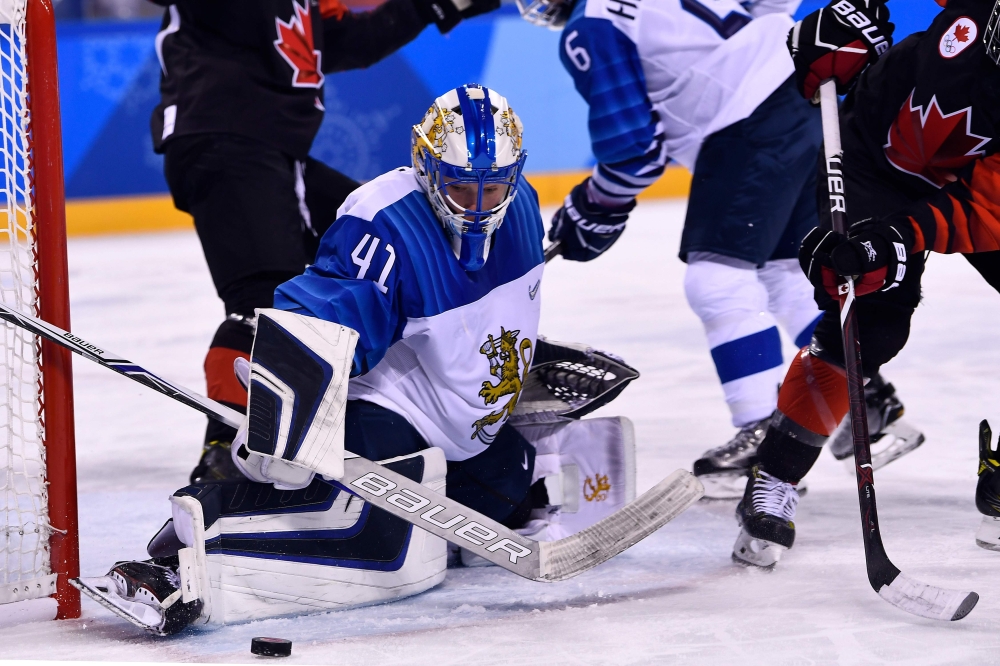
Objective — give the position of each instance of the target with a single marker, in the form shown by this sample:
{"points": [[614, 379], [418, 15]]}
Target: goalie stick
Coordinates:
{"points": [[428, 510], [891, 584]]}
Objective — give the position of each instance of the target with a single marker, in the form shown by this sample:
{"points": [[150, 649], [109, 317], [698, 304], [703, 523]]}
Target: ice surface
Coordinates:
{"points": [[675, 598]]}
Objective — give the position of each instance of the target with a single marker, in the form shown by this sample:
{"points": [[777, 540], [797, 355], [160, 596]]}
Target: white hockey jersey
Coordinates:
{"points": [[661, 75]]}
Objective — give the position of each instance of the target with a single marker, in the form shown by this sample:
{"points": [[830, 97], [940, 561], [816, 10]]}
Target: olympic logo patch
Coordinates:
{"points": [[960, 36]]}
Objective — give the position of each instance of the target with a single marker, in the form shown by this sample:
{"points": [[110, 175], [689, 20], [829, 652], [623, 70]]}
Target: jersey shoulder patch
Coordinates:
{"points": [[960, 36]]}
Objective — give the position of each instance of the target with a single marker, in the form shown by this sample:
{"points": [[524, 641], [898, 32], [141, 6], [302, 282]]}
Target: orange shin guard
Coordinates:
{"points": [[814, 394], [222, 383]]}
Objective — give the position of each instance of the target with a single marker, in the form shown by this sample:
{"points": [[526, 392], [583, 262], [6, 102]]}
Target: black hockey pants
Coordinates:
{"points": [[259, 215]]}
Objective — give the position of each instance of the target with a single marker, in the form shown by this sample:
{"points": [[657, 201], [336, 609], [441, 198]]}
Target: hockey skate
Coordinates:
{"points": [[216, 465], [891, 437], [723, 470], [146, 594], [988, 491], [765, 515]]}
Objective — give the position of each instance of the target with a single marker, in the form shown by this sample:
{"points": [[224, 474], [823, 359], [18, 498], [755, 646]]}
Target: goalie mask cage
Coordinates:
{"points": [[39, 551]]}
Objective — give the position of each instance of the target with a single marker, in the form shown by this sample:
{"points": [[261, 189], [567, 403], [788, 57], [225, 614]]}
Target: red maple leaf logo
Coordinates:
{"points": [[932, 145], [295, 44], [961, 33]]}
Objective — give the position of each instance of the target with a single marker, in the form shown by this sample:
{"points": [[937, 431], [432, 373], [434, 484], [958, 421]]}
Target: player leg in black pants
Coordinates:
{"points": [[259, 226]]}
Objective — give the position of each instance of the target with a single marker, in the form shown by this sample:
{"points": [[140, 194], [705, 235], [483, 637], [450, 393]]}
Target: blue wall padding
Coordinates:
{"points": [[748, 355], [109, 84]]}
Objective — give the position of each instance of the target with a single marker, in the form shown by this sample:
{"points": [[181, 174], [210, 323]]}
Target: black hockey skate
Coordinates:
{"points": [[765, 515], [146, 594], [216, 465], [891, 437], [723, 470], [988, 490]]}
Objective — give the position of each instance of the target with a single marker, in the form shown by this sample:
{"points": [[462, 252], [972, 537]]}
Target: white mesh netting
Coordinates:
{"points": [[24, 550]]}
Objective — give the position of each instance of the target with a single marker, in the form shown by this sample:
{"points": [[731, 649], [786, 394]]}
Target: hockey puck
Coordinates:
{"points": [[270, 647]]}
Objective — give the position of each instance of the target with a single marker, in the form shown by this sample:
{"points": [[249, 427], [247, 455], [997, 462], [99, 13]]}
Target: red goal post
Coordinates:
{"points": [[35, 546]]}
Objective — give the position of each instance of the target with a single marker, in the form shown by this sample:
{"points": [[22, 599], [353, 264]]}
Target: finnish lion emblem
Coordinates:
{"points": [[506, 358]]}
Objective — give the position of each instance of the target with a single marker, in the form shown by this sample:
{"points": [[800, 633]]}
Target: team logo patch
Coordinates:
{"points": [[295, 45], [930, 144], [596, 489], [506, 357], [960, 35]]}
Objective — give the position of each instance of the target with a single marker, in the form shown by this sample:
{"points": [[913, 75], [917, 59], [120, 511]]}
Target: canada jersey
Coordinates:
{"points": [[255, 68], [920, 131], [445, 348], [660, 76]]}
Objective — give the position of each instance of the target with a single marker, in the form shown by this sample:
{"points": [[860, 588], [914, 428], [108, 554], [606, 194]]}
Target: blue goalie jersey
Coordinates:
{"points": [[445, 348]]}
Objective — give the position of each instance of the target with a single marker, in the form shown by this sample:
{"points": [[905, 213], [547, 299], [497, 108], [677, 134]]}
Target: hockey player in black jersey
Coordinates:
{"points": [[241, 101], [920, 132]]}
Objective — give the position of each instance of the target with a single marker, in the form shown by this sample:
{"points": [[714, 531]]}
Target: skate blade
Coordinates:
{"points": [[756, 552], [723, 486], [988, 534], [720, 487], [898, 439], [138, 614]]}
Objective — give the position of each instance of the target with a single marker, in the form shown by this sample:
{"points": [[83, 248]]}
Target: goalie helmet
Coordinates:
{"points": [[551, 14], [467, 156]]}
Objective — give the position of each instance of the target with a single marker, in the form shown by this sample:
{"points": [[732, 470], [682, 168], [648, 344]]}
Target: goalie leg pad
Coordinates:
{"points": [[298, 392], [588, 467], [272, 553]]}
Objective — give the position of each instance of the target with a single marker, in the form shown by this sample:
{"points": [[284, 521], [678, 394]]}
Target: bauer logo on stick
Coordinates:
{"points": [[960, 35]]}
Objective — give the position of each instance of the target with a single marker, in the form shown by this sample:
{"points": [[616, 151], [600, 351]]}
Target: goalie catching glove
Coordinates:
{"points": [[587, 229], [874, 255], [838, 42], [299, 369]]}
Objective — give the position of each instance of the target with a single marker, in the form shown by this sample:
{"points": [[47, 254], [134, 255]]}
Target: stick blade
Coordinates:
{"points": [[626, 527], [928, 601]]}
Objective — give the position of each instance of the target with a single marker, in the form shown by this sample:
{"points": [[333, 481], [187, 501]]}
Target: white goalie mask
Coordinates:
{"points": [[467, 156]]}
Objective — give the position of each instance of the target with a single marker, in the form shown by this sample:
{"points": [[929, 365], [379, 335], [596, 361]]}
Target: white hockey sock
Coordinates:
{"points": [[742, 333], [790, 299]]}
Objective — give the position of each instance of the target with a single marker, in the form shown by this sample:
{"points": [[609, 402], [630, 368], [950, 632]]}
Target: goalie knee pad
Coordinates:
{"points": [[588, 468], [252, 551], [297, 397]]}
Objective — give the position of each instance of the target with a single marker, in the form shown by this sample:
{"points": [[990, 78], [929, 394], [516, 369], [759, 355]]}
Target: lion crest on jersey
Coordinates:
{"points": [[506, 357]]}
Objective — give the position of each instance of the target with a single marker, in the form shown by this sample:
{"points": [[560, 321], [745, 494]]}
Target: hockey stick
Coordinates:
{"points": [[553, 251], [892, 585], [433, 512]]}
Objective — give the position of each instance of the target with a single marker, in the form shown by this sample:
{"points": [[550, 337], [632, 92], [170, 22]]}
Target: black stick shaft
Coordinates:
{"points": [[880, 570]]}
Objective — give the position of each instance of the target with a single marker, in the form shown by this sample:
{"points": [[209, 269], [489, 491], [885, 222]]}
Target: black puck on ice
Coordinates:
{"points": [[271, 647]]}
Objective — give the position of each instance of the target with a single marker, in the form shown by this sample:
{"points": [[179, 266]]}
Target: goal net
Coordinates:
{"points": [[31, 240]]}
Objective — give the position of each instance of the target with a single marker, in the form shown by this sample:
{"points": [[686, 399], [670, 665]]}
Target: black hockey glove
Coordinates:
{"points": [[447, 13], [587, 229], [874, 254], [838, 42]]}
